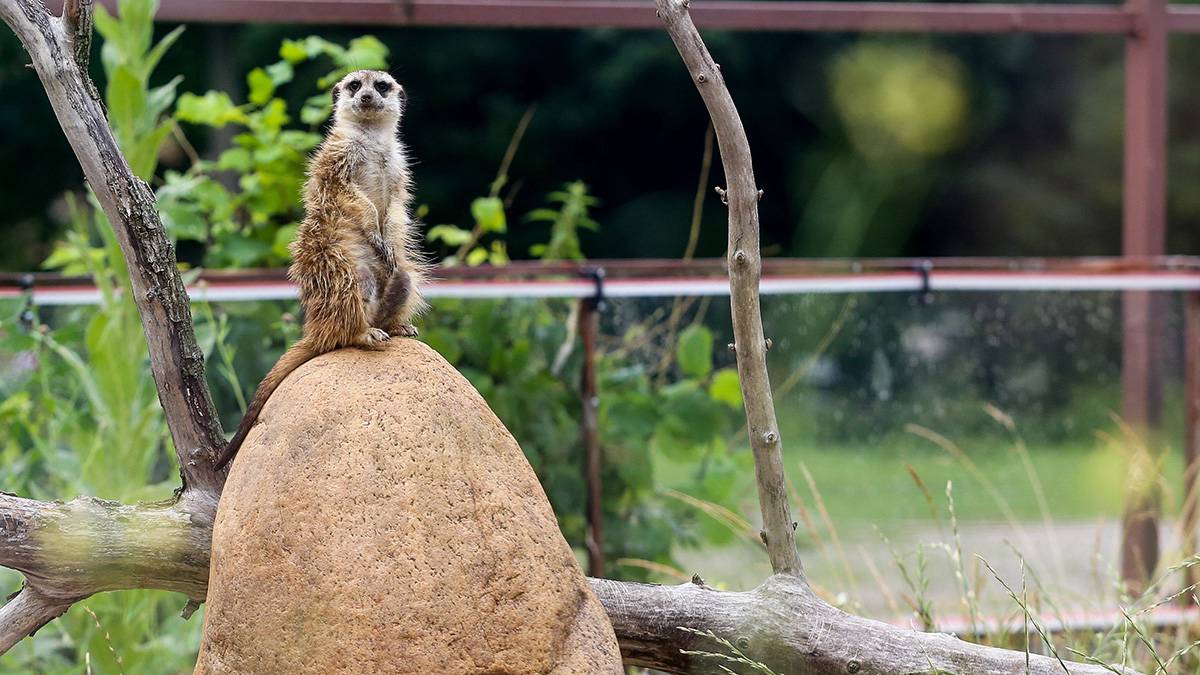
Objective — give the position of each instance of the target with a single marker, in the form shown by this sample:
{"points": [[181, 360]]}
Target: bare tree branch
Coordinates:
{"points": [[745, 269], [782, 625], [25, 613], [56, 47]]}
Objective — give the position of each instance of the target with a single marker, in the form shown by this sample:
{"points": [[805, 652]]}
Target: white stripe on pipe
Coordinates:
{"points": [[680, 286]]}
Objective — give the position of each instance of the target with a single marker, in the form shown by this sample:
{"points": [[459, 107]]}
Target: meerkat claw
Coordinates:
{"points": [[374, 338], [405, 331]]}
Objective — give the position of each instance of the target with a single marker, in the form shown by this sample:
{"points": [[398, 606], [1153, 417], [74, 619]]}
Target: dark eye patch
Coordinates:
{"points": [[353, 85], [383, 87]]}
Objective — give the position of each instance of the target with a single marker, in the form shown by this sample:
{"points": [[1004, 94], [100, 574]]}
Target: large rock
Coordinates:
{"points": [[381, 519]]}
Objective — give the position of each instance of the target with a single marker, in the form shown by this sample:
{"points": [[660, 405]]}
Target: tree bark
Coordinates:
{"points": [[68, 551]]}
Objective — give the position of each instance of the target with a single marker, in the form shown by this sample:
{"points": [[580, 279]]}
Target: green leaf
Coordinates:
{"points": [[161, 98], [299, 141], [155, 55], [488, 213], [273, 116], [498, 254], [106, 24], [449, 234], [126, 101], [283, 238], [694, 351], [214, 109], [366, 53], [243, 251], [261, 86], [316, 109], [477, 257], [726, 388], [281, 72], [293, 51], [235, 159], [143, 155], [549, 215]]}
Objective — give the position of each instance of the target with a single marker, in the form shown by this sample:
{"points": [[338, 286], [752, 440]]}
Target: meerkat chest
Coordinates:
{"points": [[378, 177]]}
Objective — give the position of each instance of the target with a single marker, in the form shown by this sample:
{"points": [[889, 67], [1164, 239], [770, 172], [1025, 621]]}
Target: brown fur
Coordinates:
{"points": [[355, 257]]}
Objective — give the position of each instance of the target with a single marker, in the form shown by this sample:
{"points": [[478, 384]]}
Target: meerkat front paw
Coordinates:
{"points": [[407, 330], [374, 338]]}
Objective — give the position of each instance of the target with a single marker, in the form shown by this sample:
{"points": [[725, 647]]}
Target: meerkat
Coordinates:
{"points": [[355, 257]]}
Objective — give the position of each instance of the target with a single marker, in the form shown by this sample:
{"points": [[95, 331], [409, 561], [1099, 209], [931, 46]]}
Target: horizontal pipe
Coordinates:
{"points": [[751, 15], [659, 267], [655, 287]]}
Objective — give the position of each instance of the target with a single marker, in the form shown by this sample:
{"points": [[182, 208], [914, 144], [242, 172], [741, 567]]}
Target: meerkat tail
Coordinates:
{"points": [[296, 356]]}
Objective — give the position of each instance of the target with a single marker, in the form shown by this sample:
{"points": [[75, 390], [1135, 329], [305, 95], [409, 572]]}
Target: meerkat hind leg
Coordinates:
{"points": [[393, 314]]}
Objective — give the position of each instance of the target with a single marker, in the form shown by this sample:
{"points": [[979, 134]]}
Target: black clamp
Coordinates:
{"points": [[598, 300], [25, 283], [924, 268]]}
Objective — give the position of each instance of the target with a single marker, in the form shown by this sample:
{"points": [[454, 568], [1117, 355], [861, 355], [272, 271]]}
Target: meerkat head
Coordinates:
{"points": [[368, 96]]}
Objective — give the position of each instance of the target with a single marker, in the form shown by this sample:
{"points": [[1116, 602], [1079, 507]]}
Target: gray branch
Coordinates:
{"points": [[782, 625], [25, 613], [745, 269]]}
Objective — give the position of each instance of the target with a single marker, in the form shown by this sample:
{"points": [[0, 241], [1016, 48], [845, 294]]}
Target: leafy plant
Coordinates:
{"points": [[135, 110], [572, 214]]}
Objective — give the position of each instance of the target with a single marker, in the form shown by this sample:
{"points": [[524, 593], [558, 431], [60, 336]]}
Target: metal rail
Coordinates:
{"points": [[654, 278]]}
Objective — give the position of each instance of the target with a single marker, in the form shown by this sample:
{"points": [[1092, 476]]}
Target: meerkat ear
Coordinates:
{"points": [[334, 93]]}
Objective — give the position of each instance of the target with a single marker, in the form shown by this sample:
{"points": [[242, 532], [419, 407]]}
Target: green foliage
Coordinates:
{"points": [[572, 214], [83, 418], [135, 110], [490, 219], [251, 223]]}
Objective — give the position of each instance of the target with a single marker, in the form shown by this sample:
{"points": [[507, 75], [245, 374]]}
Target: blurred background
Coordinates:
{"points": [[937, 443]]}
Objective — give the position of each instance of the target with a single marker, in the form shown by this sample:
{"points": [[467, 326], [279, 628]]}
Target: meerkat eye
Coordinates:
{"points": [[383, 87], [353, 86]]}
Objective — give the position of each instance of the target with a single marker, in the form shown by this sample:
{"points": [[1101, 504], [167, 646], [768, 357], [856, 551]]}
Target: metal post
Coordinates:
{"points": [[1144, 234], [1191, 443], [589, 326]]}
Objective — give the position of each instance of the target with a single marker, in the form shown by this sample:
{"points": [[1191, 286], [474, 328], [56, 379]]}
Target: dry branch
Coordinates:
{"points": [[745, 269], [70, 551]]}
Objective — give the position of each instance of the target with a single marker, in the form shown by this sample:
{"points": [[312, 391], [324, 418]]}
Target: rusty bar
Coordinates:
{"points": [[784, 15], [589, 322], [1144, 234], [1191, 439], [1183, 19]]}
